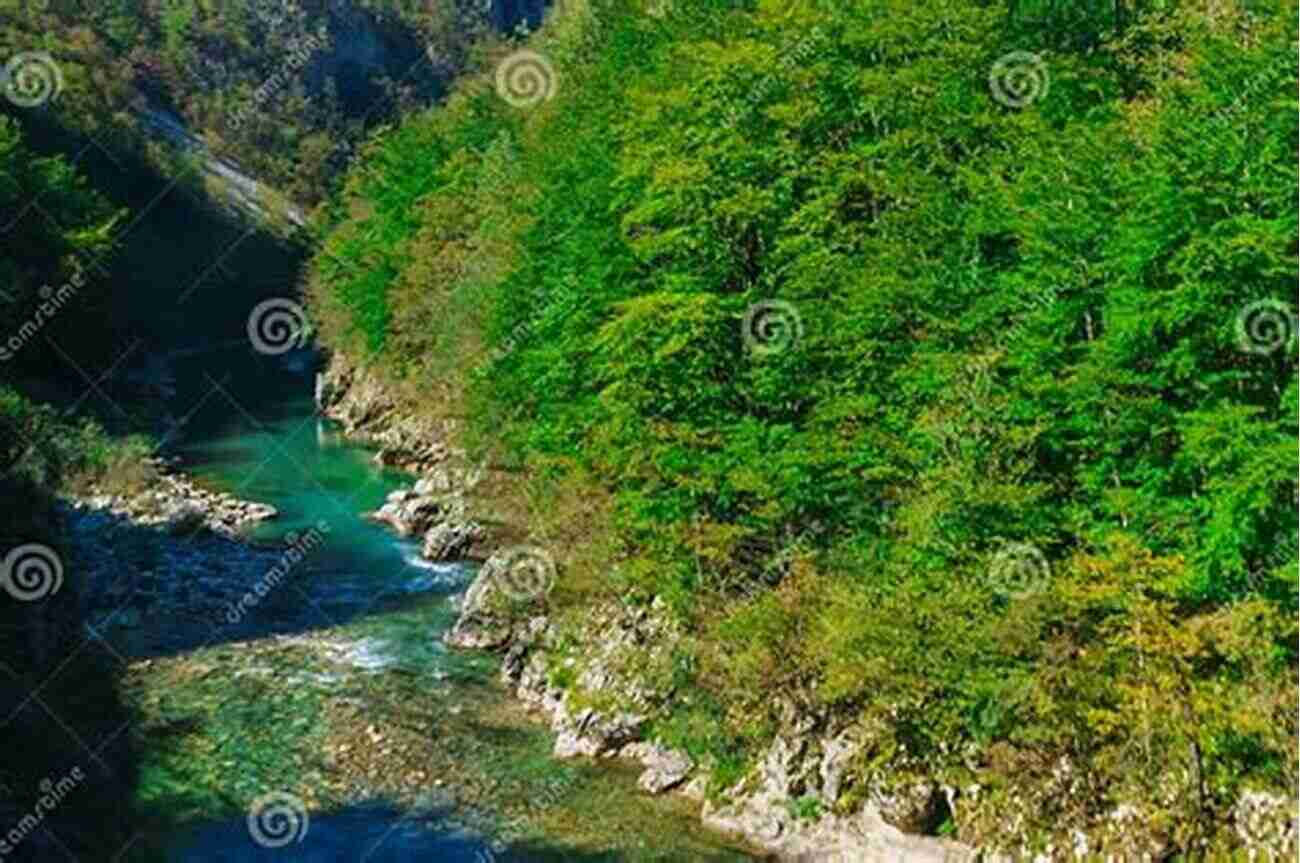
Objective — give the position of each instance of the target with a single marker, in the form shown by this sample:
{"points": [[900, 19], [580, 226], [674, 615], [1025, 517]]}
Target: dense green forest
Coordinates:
{"points": [[936, 361], [283, 89]]}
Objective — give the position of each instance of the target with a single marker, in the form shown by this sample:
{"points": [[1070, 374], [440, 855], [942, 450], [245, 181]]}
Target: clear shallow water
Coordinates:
{"points": [[246, 424], [365, 601], [253, 432]]}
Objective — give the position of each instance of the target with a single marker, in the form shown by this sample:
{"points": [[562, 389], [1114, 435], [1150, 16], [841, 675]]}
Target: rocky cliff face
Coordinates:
{"points": [[616, 670], [436, 509], [822, 790]]}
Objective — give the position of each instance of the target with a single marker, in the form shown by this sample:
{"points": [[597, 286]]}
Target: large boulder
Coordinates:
{"points": [[483, 621], [595, 733], [665, 769], [452, 539], [410, 514]]}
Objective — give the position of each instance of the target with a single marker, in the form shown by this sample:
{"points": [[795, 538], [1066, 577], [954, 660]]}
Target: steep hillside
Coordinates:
{"points": [[934, 362], [283, 89]]}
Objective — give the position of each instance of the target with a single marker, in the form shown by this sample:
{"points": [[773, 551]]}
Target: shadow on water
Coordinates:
{"points": [[68, 768], [183, 275], [153, 594], [319, 564], [373, 833]]}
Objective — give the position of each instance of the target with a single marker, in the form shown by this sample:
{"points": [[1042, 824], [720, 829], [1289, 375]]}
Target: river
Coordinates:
{"points": [[335, 690]]}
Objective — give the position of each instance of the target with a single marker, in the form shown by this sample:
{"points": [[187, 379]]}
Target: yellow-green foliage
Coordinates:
{"points": [[1017, 332]]}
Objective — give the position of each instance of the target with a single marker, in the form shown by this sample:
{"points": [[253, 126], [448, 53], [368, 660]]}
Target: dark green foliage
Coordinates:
{"points": [[55, 222]]}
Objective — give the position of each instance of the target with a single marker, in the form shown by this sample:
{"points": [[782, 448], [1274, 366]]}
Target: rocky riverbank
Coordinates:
{"points": [[599, 684], [178, 505], [173, 552], [437, 508]]}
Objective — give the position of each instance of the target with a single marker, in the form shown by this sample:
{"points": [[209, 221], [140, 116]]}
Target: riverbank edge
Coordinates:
{"points": [[178, 504], [611, 690]]}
